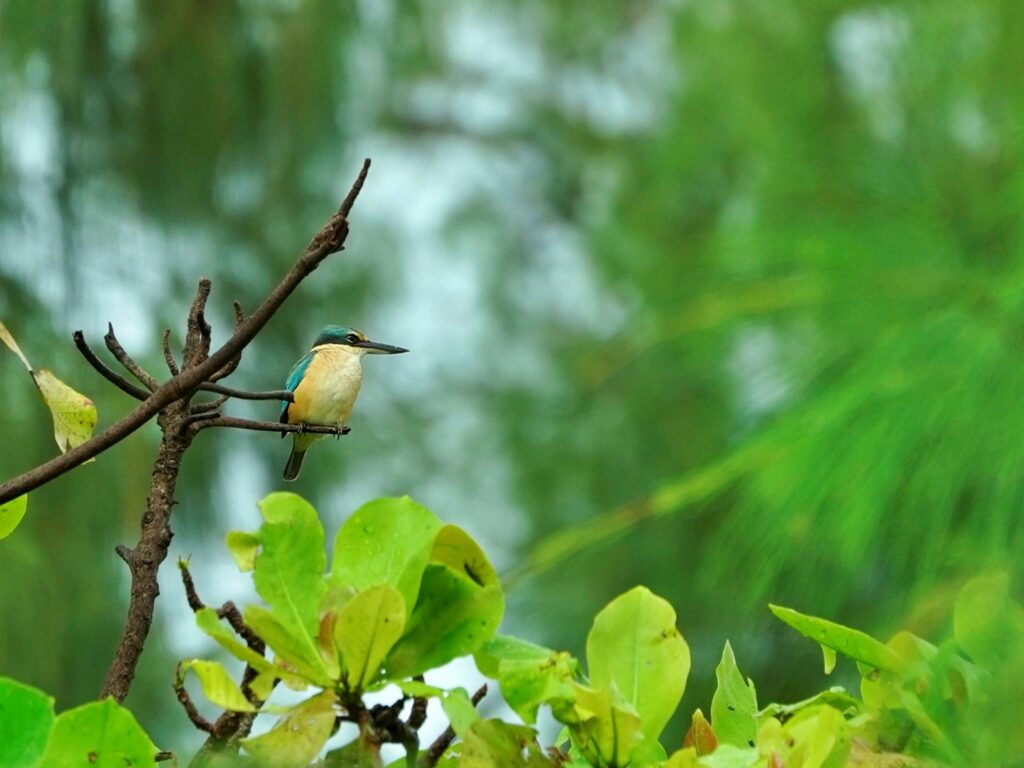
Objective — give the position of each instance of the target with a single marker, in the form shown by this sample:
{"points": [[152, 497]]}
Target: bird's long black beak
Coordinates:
{"points": [[376, 348]]}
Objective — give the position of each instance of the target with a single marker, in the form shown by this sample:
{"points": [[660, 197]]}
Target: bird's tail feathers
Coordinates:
{"points": [[291, 469]]}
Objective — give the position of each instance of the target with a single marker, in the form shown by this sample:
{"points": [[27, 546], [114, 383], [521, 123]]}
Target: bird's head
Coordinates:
{"points": [[350, 337]]}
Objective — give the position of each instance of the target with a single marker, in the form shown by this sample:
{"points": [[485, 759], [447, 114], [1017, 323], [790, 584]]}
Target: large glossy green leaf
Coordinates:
{"points": [[218, 685], [387, 541], [987, 623], [297, 738], [298, 655], [289, 569], [11, 514], [496, 744], [850, 642], [26, 719], [101, 734], [454, 617], [635, 651], [734, 705], [366, 630]]}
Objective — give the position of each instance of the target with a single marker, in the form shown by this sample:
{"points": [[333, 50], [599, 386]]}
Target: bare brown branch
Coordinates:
{"points": [[127, 360], [282, 395], [112, 376], [271, 426], [172, 366]]}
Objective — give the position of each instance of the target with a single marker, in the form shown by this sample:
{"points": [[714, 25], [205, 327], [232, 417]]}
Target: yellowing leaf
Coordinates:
{"points": [[74, 415], [11, 514], [701, 736], [6, 338], [297, 737], [218, 686]]}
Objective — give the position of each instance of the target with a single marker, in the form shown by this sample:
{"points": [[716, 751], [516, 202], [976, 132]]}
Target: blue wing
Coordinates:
{"points": [[294, 377]]}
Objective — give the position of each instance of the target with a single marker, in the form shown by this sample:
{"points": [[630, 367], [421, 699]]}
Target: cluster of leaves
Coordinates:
{"points": [[101, 733], [405, 594]]}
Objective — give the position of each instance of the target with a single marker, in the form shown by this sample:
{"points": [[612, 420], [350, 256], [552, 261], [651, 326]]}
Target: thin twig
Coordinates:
{"points": [[112, 376], [328, 240], [442, 742], [228, 611], [194, 717], [127, 360], [210, 405], [228, 369], [283, 395], [172, 366], [272, 426]]}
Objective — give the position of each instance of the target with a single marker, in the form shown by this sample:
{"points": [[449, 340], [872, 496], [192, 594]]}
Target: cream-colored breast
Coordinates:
{"points": [[336, 373]]}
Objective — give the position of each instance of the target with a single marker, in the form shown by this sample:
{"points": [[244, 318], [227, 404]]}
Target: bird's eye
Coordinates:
{"points": [[352, 338]]}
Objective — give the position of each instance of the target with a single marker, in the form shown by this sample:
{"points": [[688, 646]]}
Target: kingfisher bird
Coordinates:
{"points": [[325, 383]]}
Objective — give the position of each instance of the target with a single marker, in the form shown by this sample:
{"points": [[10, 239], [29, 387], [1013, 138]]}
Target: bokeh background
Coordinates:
{"points": [[720, 296]]}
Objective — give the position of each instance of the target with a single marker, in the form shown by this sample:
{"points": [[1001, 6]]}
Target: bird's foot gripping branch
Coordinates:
{"points": [[404, 594]]}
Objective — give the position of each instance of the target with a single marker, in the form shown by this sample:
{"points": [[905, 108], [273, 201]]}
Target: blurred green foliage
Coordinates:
{"points": [[720, 297]]}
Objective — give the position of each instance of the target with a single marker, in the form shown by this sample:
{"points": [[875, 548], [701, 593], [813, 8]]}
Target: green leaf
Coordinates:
{"points": [[605, 733], [682, 758], [218, 685], [288, 570], [829, 656], [297, 654], [730, 756], [11, 514], [635, 650], [506, 648], [835, 697], [454, 617], [387, 541], [460, 710], [734, 705], [208, 622], [297, 738], [243, 547], [529, 675], [101, 734], [496, 744], [26, 719], [456, 549], [366, 630], [359, 753], [987, 623], [850, 642], [819, 738]]}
